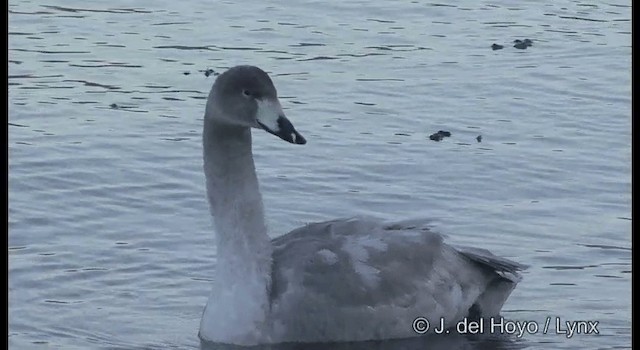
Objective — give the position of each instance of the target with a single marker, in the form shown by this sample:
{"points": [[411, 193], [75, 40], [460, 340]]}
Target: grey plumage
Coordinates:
{"points": [[340, 280]]}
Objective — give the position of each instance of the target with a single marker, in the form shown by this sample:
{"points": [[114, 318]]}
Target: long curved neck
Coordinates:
{"points": [[238, 308], [236, 204]]}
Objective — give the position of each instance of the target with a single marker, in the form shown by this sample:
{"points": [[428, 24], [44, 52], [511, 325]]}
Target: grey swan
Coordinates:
{"points": [[350, 279]]}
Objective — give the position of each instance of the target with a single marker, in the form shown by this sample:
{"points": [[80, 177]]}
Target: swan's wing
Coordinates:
{"points": [[353, 260], [378, 275]]}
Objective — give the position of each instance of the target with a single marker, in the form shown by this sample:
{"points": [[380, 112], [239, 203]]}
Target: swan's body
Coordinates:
{"points": [[341, 280]]}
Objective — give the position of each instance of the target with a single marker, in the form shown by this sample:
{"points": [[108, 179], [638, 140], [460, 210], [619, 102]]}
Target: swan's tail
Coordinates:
{"points": [[506, 277], [505, 268]]}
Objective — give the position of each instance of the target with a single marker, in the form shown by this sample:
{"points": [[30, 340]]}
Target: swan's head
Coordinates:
{"points": [[245, 96]]}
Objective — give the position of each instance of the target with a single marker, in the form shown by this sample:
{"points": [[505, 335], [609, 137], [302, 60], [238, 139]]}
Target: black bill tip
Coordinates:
{"points": [[286, 131]]}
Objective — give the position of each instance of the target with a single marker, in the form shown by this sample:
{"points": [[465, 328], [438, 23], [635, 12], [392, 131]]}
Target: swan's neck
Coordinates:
{"points": [[239, 302], [234, 195]]}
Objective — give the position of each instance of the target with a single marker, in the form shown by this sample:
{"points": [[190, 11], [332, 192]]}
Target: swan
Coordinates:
{"points": [[350, 279]]}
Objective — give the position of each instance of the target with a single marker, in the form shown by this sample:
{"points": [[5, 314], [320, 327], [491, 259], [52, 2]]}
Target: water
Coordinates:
{"points": [[110, 240]]}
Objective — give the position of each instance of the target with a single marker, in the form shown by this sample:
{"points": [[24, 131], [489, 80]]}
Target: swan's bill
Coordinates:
{"points": [[271, 118]]}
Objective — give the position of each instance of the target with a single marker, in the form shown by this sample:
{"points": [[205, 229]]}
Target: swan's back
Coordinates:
{"points": [[357, 279]]}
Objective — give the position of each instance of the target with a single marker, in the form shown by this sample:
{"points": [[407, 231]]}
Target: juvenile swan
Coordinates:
{"points": [[341, 280]]}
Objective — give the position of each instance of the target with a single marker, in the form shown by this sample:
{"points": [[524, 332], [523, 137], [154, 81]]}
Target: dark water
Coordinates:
{"points": [[110, 240]]}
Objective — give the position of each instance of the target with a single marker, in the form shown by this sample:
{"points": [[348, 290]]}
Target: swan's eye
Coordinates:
{"points": [[247, 93]]}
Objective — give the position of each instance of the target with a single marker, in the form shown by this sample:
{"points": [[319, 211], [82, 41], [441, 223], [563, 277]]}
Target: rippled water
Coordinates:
{"points": [[110, 240]]}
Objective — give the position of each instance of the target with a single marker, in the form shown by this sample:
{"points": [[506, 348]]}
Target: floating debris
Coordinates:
{"points": [[113, 105], [518, 44], [208, 72], [436, 137], [522, 44], [186, 73], [439, 135], [479, 138]]}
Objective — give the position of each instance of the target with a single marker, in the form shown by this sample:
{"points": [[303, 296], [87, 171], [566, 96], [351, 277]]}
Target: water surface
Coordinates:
{"points": [[110, 240]]}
